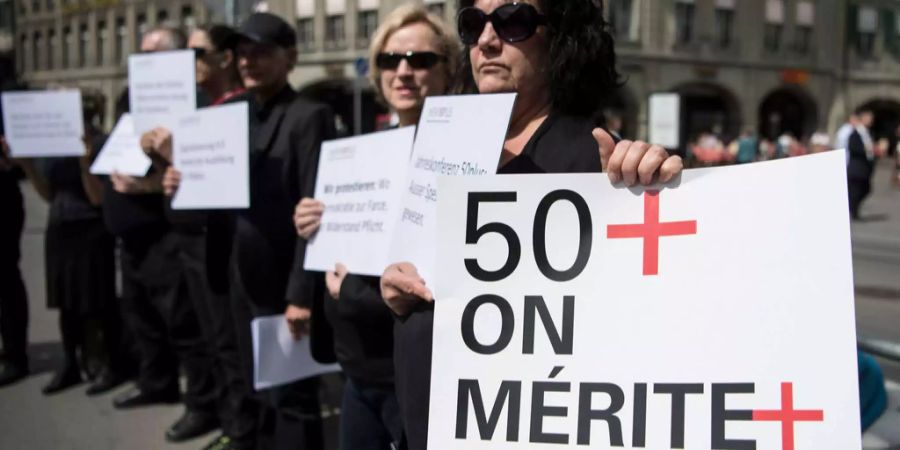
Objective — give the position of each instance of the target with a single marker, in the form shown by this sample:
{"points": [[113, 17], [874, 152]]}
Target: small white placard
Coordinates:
{"points": [[457, 135], [277, 358], [665, 123], [210, 148], [40, 124], [361, 182], [162, 87], [122, 152]]}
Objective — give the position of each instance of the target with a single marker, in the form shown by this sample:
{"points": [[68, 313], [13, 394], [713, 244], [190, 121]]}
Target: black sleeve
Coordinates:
{"points": [[361, 295], [316, 128]]}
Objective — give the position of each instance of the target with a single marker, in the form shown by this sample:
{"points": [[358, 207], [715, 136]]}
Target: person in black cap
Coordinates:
{"points": [[286, 133]]}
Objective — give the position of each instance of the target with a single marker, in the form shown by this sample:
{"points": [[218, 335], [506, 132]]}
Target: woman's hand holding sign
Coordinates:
{"points": [[308, 217], [633, 161]]}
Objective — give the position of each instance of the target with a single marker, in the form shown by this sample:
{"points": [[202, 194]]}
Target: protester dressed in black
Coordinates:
{"points": [[549, 132], [13, 299], [355, 317]]}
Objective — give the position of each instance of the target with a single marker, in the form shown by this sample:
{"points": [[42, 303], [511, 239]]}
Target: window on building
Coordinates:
{"points": [[6, 15], [334, 32], [188, 21], [84, 38], [23, 46], [139, 30], [725, 22], [67, 45], [306, 33], [102, 39], [436, 7], [806, 18], [50, 5], [35, 6], [774, 25], [52, 44], [162, 17], [121, 36], [684, 21], [867, 30], [366, 23], [36, 42], [624, 16]]}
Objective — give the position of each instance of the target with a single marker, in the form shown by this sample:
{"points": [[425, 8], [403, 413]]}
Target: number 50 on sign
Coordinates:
{"points": [[716, 314]]}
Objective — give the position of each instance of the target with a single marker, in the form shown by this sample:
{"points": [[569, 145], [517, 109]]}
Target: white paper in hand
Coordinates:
{"points": [[457, 135], [279, 359], [161, 88], [41, 124], [122, 152], [210, 148], [360, 181]]}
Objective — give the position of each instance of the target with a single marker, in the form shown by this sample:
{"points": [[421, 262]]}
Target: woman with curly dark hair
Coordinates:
{"points": [[558, 56]]}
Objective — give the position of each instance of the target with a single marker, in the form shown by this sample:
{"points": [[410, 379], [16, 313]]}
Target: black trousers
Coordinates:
{"points": [[288, 416], [13, 299], [157, 305], [370, 417], [858, 189], [236, 405]]}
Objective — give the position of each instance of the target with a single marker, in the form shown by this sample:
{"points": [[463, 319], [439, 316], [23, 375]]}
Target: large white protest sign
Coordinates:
{"points": [[161, 88], [665, 119], [717, 314], [278, 358], [41, 124], [214, 160], [457, 135], [361, 182], [122, 152]]}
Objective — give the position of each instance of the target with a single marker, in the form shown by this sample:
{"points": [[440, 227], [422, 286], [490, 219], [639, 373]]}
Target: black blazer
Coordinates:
{"points": [[286, 134], [859, 167]]}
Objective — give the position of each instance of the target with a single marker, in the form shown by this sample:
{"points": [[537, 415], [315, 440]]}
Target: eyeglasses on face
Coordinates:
{"points": [[416, 60], [513, 22]]}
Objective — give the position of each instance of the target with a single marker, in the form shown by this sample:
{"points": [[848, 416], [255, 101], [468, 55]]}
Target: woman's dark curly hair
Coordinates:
{"points": [[582, 68]]}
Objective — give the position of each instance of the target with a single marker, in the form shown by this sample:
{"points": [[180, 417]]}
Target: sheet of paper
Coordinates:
{"points": [[122, 152], [665, 122], [162, 87], [211, 149], [40, 124], [725, 302], [360, 181], [279, 359], [457, 135]]}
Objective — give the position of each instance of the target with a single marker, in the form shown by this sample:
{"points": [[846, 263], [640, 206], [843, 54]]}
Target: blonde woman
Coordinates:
{"points": [[414, 54]]}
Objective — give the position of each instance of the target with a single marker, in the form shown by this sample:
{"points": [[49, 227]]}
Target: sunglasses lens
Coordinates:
{"points": [[515, 22], [471, 23], [199, 52], [388, 61], [423, 60]]}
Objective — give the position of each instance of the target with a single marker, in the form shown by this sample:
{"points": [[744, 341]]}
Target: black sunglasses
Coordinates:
{"points": [[513, 22], [416, 60], [199, 52]]}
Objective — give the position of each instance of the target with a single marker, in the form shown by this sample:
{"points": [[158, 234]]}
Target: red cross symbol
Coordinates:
{"points": [[787, 415], [651, 230]]}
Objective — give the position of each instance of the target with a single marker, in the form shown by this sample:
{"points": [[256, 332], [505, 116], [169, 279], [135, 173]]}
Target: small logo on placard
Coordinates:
{"points": [[440, 114]]}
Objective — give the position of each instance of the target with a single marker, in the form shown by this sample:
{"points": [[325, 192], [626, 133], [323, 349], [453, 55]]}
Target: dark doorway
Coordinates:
{"points": [[787, 110], [887, 119], [708, 108]]}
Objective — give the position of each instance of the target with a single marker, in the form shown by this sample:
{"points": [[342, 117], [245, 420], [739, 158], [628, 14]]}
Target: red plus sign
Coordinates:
{"points": [[651, 230], [787, 416]]}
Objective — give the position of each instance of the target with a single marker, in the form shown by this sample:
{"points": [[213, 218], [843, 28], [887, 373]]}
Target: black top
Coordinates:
{"points": [[859, 166], [68, 200], [286, 135], [562, 144]]}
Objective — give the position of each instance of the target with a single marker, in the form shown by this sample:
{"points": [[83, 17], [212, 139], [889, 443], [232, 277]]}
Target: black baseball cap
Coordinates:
{"points": [[267, 29]]}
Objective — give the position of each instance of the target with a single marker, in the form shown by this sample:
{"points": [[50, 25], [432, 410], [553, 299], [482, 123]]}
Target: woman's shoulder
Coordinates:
{"points": [[564, 144]]}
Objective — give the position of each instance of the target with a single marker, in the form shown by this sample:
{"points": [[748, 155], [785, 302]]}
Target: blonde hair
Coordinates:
{"points": [[409, 14]]}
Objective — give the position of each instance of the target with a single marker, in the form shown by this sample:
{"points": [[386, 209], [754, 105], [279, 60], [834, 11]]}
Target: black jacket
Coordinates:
{"points": [[859, 167], [562, 144], [286, 134]]}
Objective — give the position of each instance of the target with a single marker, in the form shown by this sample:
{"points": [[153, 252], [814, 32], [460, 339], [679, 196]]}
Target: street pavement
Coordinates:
{"points": [[71, 420]]}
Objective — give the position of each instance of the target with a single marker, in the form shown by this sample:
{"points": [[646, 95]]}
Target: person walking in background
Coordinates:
{"points": [[748, 147], [861, 163], [79, 256]]}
